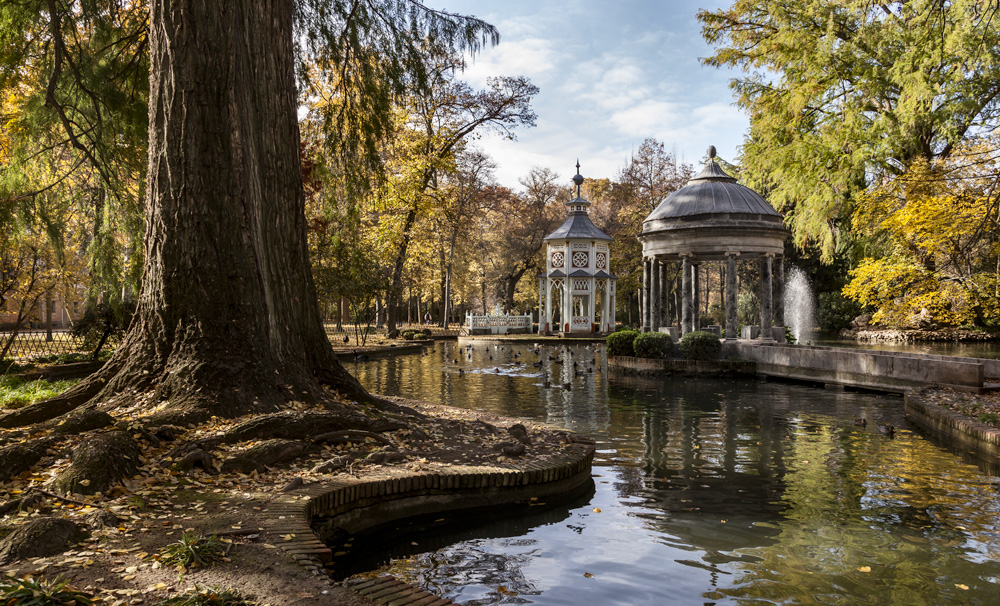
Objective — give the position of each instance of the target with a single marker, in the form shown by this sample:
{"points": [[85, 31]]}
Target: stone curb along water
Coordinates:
{"points": [[953, 426], [361, 504]]}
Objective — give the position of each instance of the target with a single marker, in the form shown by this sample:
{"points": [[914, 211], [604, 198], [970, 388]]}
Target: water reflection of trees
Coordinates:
{"points": [[771, 488]]}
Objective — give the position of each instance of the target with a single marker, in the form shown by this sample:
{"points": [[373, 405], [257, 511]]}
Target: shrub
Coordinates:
{"points": [[620, 343], [653, 345], [408, 335], [700, 345], [419, 336], [834, 312], [426, 331]]}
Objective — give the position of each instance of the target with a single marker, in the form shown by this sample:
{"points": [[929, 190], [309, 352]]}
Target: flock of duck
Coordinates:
{"points": [[581, 367]]}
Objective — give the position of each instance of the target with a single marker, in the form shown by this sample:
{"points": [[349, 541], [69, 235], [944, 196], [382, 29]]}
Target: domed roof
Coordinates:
{"points": [[711, 192], [577, 223], [710, 217]]}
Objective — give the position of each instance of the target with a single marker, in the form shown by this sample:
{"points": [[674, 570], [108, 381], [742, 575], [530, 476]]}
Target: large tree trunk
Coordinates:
{"points": [[227, 319]]}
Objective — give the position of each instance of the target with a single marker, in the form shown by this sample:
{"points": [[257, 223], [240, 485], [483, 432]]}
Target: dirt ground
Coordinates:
{"points": [[121, 563]]}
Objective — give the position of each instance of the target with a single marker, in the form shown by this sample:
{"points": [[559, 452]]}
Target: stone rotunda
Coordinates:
{"points": [[576, 292], [712, 218]]}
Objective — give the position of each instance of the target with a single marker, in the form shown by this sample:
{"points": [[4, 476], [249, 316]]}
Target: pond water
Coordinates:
{"points": [[710, 491], [970, 349]]}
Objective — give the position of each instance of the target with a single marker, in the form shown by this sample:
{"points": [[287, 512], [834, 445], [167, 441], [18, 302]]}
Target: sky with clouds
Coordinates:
{"points": [[610, 74]]}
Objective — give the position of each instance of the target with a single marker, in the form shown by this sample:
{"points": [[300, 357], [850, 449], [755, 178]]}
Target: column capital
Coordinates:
{"points": [[769, 255], [732, 253]]}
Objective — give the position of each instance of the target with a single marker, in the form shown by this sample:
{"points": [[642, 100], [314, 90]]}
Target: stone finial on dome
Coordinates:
{"points": [[578, 178], [711, 151]]}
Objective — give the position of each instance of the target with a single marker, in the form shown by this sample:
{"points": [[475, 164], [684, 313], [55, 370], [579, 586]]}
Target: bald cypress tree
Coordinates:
{"points": [[227, 320]]}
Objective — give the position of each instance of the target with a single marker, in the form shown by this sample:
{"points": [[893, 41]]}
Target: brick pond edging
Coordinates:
{"points": [[357, 505], [952, 426]]}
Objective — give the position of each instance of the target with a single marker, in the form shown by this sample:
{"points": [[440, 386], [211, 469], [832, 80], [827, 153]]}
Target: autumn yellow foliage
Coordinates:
{"points": [[938, 226]]}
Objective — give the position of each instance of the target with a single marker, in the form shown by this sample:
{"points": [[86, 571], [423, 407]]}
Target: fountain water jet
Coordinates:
{"points": [[800, 306]]}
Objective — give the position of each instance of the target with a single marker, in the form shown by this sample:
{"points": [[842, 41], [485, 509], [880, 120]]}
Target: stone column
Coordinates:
{"points": [[766, 306], [779, 291], [731, 296], [664, 295], [695, 297], [644, 304], [568, 302], [541, 305], [654, 295], [548, 304], [611, 306], [686, 321]]}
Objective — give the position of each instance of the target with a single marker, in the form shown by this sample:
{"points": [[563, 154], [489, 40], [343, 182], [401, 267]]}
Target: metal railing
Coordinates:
{"points": [[35, 343]]}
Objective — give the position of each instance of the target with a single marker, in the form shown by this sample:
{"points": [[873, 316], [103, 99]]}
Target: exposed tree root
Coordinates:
{"points": [[49, 409], [350, 435], [267, 454], [39, 538], [99, 463], [18, 458], [291, 425]]}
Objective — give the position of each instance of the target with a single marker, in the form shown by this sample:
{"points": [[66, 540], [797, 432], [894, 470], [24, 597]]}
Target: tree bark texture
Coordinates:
{"points": [[227, 317]]}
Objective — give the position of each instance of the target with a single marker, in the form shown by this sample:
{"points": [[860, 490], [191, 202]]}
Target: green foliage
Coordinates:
{"points": [[39, 591], [843, 94], [700, 345], [834, 311], [747, 308], [74, 82], [208, 596], [407, 335], [716, 315], [653, 345], [620, 343], [419, 336], [193, 550], [15, 393], [106, 320]]}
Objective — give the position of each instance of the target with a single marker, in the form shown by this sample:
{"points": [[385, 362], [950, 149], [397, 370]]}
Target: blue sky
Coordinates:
{"points": [[611, 73]]}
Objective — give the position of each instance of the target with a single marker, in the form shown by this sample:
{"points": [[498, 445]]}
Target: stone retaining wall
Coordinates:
{"points": [[871, 369], [685, 367], [356, 505], [953, 426]]}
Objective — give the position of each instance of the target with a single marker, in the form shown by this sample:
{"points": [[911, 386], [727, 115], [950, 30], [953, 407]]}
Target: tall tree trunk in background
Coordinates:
{"points": [[227, 319]]}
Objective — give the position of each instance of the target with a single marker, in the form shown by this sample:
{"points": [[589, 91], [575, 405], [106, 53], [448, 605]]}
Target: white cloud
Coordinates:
{"points": [[531, 57]]}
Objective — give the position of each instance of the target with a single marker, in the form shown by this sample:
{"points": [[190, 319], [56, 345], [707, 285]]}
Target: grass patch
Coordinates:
{"points": [[15, 392], [31, 591], [193, 551], [208, 596]]}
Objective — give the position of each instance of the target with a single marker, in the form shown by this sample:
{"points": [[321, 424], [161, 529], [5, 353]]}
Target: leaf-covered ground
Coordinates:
{"points": [[122, 563], [984, 408]]}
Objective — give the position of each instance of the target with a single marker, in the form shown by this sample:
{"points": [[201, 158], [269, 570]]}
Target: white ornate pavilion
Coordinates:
{"points": [[576, 293]]}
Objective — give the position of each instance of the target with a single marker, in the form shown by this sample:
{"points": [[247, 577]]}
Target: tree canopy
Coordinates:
{"points": [[845, 94]]}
